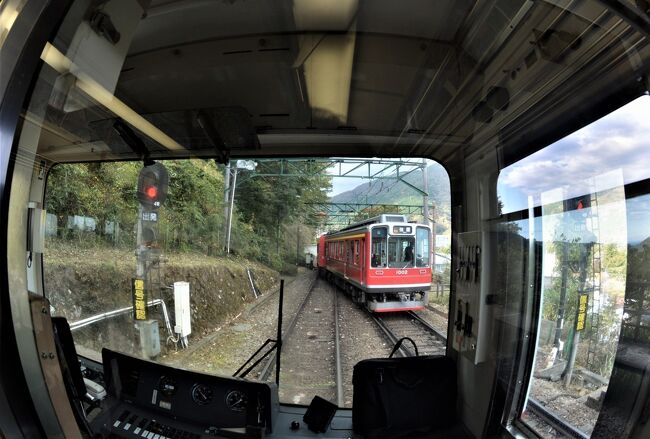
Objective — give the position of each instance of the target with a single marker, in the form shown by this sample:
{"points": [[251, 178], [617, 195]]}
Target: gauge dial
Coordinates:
{"points": [[201, 394], [236, 400], [167, 385]]}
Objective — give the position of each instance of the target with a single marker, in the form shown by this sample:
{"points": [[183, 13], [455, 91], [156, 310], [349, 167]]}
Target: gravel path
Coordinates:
{"points": [[435, 319], [229, 346], [308, 365], [360, 339]]}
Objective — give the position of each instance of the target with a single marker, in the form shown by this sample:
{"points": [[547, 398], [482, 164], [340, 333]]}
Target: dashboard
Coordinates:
{"points": [[155, 401]]}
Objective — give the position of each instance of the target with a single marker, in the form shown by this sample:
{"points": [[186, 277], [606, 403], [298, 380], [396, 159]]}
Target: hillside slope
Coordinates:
{"points": [[394, 192]]}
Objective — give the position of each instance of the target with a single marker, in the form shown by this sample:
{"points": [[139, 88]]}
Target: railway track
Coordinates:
{"points": [[408, 324], [316, 345], [394, 326], [432, 342], [267, 366], [551, 418]]}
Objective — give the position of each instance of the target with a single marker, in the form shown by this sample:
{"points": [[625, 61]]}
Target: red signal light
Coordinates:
{"points": [[151, 192], [152, 186]]}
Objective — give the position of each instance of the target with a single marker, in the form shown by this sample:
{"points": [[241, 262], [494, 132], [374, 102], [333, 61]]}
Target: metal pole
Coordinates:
{"points": [[279, 335], [425, 198], [232, 202], [298, 245], [559, 325], [568, 371], [226, 201], [433, 237], [139, 268]]}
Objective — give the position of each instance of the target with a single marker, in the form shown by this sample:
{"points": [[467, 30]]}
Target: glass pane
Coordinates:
{"points": [[379, 237], [422, 253], [589, 243], [108, 231], [400, 252]]}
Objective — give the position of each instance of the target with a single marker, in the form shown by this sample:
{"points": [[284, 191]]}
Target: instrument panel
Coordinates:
{"points": [[197, 398]]}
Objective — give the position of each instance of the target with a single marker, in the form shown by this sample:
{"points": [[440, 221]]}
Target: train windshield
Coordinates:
{"points": [[422, 252], [169, 173], [121, 247], [400, 251]]}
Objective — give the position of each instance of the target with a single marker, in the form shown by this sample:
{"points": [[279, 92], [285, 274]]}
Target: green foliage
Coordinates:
{"points": [[277, 209], [101, 191], [272, 219]]}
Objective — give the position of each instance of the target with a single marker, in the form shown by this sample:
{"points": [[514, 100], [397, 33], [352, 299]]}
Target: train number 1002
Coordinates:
{"points": [[402, 272]]}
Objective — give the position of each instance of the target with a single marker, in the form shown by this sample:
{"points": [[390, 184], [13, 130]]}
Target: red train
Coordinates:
{"points": [[383, 262]]}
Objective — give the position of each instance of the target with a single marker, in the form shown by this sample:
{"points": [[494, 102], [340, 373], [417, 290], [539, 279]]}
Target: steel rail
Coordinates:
{"points": [[427, 325], [437, 311], [403, 350], [554, 420], [266, 369], [534, 406]]}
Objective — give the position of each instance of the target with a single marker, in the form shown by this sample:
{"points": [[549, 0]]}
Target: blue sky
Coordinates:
{"points": [[612, 151]]}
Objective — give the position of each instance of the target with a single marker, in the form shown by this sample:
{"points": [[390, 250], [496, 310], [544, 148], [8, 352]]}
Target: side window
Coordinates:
{"points": [[378, 250], [592, 239]]}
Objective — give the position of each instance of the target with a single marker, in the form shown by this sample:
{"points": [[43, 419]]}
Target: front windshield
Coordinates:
{"points": [[454, 81], [116, 262], [422, 253], [400, 251]]}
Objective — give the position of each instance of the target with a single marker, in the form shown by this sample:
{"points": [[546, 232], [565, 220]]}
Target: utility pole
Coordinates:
{"points": [[433, 236], [298, 245], [428, 218], [584, 251], [226, 202], [230, 209], [425, 198]]}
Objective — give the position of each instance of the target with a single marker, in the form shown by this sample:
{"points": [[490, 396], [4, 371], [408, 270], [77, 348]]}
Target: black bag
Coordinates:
{"points": [[403, 397]]}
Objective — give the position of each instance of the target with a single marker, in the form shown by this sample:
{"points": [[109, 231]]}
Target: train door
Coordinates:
{"points": [[362, 261], [349, 258]]}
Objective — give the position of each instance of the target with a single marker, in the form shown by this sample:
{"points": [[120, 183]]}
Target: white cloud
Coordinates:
{"points": [[618, 142]]}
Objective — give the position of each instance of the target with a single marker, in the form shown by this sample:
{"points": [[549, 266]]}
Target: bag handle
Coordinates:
{"points": [[399, 344]]}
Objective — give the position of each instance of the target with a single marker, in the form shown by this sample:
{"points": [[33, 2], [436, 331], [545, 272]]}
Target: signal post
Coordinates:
{"points": [[153, 181]]}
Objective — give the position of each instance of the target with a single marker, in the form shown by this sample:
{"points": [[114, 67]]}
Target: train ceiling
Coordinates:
{"points": [[443, 79]]}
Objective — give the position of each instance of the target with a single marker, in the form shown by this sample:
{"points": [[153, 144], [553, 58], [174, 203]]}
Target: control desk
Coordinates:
{"points": [[153, 401]]}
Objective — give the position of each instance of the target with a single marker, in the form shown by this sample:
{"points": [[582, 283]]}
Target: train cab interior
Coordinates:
{"points": [[536, 112]]}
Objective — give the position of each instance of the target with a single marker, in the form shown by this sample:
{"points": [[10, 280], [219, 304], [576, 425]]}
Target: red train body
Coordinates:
{"points": [[383, 262]]}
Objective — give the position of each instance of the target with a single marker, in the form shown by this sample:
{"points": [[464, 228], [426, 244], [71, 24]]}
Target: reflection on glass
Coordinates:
{"points": [[592, 241]]}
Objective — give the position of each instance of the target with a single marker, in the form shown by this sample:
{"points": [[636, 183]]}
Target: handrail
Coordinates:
{"points": [[117, 312]]}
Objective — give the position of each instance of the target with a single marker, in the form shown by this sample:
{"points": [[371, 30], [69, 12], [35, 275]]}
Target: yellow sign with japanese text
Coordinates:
{"points": [[139, 299], [582, 312]]}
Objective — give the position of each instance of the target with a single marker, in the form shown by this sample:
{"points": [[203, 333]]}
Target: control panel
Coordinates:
{"points": [[166, 402], [470, 309]]}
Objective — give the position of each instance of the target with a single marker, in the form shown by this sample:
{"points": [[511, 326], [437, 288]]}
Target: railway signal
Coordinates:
{"points": [[153, 181]]}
